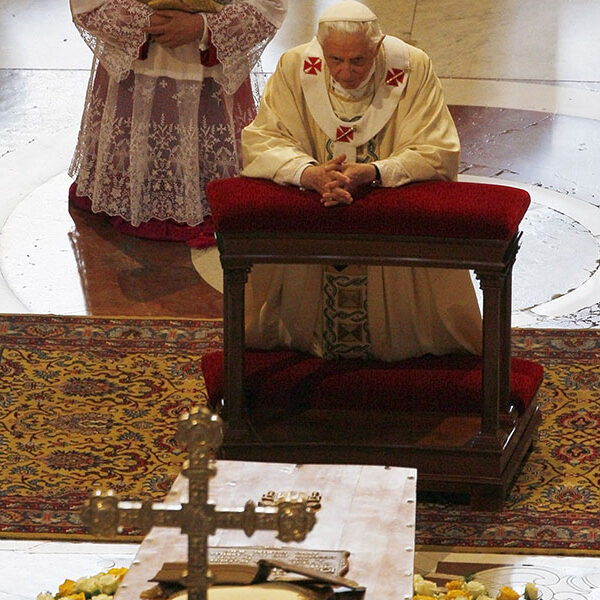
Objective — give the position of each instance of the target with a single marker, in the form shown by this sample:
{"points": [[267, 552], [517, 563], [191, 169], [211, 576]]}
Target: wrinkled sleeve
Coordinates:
{"points": [[239, 33], [114, 31], [426, 143], [278, 137]]}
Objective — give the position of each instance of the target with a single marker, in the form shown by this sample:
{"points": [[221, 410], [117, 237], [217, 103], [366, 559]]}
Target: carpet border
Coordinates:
{"points": [[108, 317], [509, 550]]}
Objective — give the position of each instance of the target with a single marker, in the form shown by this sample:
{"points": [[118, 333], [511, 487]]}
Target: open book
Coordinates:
{"points": [[266, 579]]}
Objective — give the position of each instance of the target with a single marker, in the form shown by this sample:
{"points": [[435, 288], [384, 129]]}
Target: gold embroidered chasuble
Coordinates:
{"points": [[401, 123]]}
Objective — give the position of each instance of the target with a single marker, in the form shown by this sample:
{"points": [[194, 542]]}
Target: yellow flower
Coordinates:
{"points": [[507, 593], [455, 584], [66, 588], [422, 597], [458, 595], [118, 572], [79, 596]]}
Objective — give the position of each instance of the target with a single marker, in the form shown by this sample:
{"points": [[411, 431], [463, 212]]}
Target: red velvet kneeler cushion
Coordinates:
{"points": [[284, 381], [432, 208]]}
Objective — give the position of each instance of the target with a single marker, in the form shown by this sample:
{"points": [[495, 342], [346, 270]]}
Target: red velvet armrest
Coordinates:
{"points": [[432, 208]]}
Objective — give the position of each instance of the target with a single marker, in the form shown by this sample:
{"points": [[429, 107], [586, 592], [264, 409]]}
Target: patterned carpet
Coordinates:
{"points": [[554, 505], [88, 403], [93, 402]]}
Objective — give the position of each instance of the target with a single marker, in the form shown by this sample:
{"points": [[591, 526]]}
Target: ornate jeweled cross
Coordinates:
{"points": [[201, 432]]}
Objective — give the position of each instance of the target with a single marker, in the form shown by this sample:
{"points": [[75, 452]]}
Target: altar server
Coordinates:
{"points": [[168, 96], [353, 107]]}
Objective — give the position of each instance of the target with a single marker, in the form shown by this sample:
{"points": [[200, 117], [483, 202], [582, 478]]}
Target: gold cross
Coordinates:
{"points": [[201, 431]]}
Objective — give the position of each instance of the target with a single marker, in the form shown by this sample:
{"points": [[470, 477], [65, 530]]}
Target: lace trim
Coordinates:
{"points": [[114, 33], [148, 146], [239, 34]]}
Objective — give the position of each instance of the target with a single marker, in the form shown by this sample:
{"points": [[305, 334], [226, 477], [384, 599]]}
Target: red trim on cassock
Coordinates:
{"points": [[143, 51], [208, 57]]}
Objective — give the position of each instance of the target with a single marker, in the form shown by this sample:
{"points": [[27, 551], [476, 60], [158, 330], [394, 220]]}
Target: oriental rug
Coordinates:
{"points": [[88, 403], [554, 504]]}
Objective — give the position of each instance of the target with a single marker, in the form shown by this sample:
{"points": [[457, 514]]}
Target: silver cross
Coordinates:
{"points": [[201, 432]]}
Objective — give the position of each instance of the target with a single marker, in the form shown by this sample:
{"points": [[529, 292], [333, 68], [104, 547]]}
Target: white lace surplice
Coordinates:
{"points": [[154, 131]]}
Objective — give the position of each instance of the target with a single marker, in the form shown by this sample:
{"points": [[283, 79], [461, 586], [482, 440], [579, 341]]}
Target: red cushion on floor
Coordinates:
{"points": [[431, 208], [284, 381]]}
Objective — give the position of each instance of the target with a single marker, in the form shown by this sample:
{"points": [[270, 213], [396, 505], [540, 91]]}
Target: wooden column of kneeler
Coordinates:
{"points": [[464, 422]]}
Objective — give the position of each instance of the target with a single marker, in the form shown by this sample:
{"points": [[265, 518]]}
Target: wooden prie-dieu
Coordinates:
{"points": [[464, 422]]}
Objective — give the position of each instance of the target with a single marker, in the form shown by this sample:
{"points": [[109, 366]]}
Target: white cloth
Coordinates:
{"points": [[348, 10], [154, 131], [406, 129]]}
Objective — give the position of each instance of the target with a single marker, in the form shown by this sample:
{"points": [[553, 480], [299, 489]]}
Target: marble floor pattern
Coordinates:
{"points": [[524, 87]]}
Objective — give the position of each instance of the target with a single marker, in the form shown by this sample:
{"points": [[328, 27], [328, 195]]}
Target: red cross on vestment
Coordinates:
{"points": [[344, 134], [394, 77], [312, 65]]}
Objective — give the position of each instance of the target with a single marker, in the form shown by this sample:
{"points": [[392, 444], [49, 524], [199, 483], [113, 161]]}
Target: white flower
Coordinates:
{"points": [[425, 587], [476, 589], [531, 591], [87, 585], [45, 596], [107, 584], [416, 580]]}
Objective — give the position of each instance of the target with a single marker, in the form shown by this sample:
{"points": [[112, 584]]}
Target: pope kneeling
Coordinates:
{"points": [[353, 108]]}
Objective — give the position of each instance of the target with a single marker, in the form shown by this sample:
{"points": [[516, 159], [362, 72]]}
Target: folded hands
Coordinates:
{"points": [[173, 28], [336, 180]]}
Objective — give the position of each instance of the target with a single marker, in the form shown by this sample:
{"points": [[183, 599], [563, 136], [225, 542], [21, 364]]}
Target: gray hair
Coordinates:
{"points": [[370, 29]]}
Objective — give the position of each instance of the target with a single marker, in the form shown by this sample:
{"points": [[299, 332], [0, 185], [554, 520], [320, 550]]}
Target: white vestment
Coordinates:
{"points": [[157, 128], [400, 122]]}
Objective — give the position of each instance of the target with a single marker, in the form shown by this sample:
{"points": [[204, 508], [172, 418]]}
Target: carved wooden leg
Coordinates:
{"points": [[508, 412], [491, 436], [234, 410]]}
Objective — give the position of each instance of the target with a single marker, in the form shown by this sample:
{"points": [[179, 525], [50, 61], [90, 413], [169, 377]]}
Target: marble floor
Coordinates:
{"points": [[524, 87]]}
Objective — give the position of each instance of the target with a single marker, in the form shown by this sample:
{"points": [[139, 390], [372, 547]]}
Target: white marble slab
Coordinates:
{"points": [[38, 34], [556, 40], [557, 577], [25, 254], [30, 567], [366, 510], [553, 99], [560, 251]]}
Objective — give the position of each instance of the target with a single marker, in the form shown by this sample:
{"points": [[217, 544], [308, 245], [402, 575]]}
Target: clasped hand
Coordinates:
{"points": [[337, 180], [173, 28]]}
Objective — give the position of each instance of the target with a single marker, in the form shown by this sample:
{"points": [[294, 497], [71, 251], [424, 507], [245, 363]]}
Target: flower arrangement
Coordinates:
{"points": [[101, 586], [467, 589]]}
